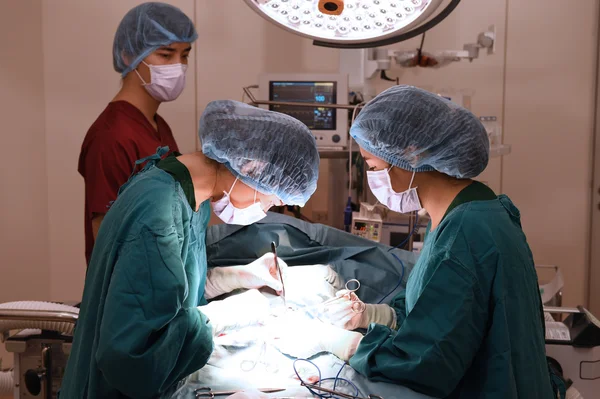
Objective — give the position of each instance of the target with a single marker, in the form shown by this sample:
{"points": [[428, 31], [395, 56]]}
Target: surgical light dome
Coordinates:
{"points": [[354, 23]]}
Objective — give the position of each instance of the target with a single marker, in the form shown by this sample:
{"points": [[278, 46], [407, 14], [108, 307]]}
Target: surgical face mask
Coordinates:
{"points": [[381, 186], [228, 213], [166, 81]]}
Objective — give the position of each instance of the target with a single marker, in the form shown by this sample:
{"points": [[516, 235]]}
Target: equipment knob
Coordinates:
{"points": [[336, 138]]}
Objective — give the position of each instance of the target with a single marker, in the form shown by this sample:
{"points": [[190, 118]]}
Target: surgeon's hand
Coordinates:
{"points": [[250, 394], [249, 308], [260, 273], [341, 314], [263, 273], [303, 338]]}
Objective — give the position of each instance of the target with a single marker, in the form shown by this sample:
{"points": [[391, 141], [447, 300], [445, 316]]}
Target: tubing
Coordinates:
{"points": [[7, 384]]}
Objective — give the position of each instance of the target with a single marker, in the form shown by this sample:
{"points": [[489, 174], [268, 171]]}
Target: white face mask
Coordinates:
{"points": [[228, 213], [381, 186], [166, 81]]}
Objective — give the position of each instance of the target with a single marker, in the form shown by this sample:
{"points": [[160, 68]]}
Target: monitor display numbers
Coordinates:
{"points": [[316, 118]]}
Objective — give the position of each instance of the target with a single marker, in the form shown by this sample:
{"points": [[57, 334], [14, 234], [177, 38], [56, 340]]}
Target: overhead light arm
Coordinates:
{"points": [[410, 58]]}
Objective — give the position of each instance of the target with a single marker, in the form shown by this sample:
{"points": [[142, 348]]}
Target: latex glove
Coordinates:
{"points": [[260, 273], [334, 278], [304, 338], [248, 308], [340, 313], [250, 394]]}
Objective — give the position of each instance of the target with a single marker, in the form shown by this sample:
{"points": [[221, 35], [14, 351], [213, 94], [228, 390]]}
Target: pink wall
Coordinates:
{"points": [[24, 272], [549, 116], [55, 83]]}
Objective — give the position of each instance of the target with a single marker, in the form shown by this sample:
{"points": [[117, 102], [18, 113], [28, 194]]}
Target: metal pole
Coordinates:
{"points": [[555, 309], [411, 228]]}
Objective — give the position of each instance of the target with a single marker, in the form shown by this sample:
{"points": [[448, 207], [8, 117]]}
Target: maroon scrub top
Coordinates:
{"points": [[120, 136]]}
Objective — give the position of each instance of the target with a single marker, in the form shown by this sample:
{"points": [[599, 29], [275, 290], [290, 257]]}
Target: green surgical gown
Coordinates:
{"points": [[470, 322], [139, 331]]}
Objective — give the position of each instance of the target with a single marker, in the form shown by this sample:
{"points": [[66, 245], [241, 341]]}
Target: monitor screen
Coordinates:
{"points": [[317, 118]]}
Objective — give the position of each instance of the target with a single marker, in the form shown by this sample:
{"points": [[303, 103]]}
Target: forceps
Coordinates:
{"points": [[207, 392], [336, 393], [274, 250], [358, 306]]}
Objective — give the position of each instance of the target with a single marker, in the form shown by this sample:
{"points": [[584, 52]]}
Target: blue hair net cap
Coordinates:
{"points": [[416, 130], [146, 28], [269, 151]]}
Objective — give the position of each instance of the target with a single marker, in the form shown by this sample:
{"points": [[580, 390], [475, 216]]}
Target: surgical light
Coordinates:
{"points": [[354, 23]]}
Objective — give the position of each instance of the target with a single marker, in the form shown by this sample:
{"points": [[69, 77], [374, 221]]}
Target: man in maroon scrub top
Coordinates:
{"points": [[150, 50]]}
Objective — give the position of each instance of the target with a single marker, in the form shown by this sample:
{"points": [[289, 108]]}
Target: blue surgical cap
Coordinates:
{"points": [[270, 152], [416, 130], [146, 28]]}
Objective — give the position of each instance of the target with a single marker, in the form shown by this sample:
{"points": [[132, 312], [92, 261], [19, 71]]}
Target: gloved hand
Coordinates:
{"points": [[260, 273], [249, 394], [334, 279], [248, 308], [303, 338], [340, 313]]}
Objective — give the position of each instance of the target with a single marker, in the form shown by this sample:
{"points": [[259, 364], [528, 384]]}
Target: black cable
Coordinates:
{"points": [[400, 38], [384, 76], [420, 49]]}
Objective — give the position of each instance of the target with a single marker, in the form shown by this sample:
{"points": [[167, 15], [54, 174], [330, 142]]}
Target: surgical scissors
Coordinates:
{"points": [[249, 365], [207, 392], [358, 306], [336, 393]]}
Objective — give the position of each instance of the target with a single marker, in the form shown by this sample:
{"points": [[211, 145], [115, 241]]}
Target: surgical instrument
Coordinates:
{"points": [[207, 392], [249, 365], [274, 250], [358, 306], [339, 394]]}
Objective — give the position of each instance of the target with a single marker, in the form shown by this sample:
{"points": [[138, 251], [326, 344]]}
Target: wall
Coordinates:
{"points": [[24, 270], [594, 277], [549, 120]]}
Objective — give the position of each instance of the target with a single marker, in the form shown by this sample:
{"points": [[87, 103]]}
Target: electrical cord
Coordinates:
{"points": [[335, 380], [348, 209], [415, 228]]}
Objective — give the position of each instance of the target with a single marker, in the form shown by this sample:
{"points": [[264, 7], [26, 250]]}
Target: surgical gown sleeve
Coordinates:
{"points": [[148, 340], [398, 305], [437, 340]]}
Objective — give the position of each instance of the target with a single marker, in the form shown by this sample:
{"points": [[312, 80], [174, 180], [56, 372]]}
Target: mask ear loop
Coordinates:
{"points": [[411, 179], [140, 76], [232, 186], [255, 191]]}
